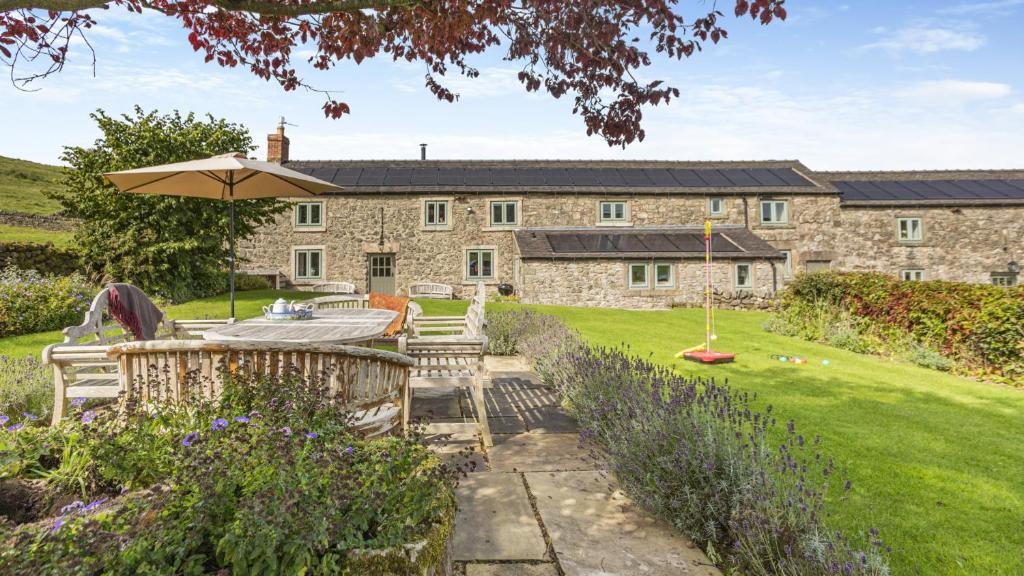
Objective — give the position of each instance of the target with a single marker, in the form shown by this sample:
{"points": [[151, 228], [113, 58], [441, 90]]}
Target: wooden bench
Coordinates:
{"points": [[448, 352], [273, 276], [335, 287], [372, 384], [430, 290], [81, 367], [339, 301]]}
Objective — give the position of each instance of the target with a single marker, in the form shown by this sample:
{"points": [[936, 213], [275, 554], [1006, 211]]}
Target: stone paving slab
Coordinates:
{"points": [[595, 532], [436, 404], [495, 520], [539, 452], [503, 425], [511, 570], [506, 364], [548, 420]]}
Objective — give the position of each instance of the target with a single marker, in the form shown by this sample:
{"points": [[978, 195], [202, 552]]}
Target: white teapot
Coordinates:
{"points": [[281, 306]]}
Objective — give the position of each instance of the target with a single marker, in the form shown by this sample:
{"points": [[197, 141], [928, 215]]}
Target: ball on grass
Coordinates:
{"points": [[825, 362]]}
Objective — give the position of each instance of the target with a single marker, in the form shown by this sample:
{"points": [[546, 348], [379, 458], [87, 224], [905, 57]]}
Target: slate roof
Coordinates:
{"points": [[560, 176], [939, 188], [668, 242]]}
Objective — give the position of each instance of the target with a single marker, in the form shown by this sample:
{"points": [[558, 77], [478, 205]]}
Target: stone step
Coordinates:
{"points": [[495, 520]]}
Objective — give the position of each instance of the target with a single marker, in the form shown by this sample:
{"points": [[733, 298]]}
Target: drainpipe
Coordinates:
{"points": [[746, 215]]}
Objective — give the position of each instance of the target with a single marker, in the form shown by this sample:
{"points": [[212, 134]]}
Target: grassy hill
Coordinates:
{"points": [[22, 184]]}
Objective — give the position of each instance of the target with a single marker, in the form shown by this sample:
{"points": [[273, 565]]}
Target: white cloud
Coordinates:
{"points": [[926, 40], [955, 91]]}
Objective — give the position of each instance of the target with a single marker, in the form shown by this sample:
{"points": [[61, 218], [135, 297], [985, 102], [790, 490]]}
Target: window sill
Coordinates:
{"points": [[447, 228], [309, 228], [486, 281], [307, 281], [910, 242], [767, 226], [717, 216], [500, 228], [604, 224]]}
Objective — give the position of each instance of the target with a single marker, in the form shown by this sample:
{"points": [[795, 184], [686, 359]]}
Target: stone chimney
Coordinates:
{"points": [[277, 145]]}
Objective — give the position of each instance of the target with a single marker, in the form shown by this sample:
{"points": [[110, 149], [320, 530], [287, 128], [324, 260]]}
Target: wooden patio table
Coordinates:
{"points": [[330, 326]]}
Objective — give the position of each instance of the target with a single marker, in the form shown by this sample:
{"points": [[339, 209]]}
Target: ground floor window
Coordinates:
{"points": [[744, 276], [787, 266], [480, 264], [912, 275], [664, 275], [309, 264], [1004, 279], [638, 272]]}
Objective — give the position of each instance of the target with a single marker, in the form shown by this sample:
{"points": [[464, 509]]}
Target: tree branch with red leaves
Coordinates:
{"points": [[589, 49]]}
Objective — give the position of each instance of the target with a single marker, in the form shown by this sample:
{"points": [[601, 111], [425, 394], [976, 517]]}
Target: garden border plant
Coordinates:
{"points": [[695, 453]]}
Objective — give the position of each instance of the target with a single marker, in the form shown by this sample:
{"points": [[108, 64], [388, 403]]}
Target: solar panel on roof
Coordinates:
{"points": [[557, 177], [423, 177], [531, 176], [739, 177], [635, 177], [347, 176], [603, 243], [765, 177], [372, 176], [477, 176], [504, 177], [450, 176], [687, 177], [583, 177], [721, 245], [791, 177], [631, 243], [562, 243], [657, 243], [925, 190], [1006, 187], [897, 191], [325, 174], [397, 177], [609, 177], [714, 178], [687, 241], [661, 177]]}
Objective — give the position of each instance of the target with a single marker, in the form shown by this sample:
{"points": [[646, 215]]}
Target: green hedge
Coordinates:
{"points": [[31, 302], [977, 326]]}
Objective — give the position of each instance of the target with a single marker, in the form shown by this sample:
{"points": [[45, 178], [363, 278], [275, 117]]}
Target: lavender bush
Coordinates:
{"points": [[31, 302], [699, 454], [26, 385]]}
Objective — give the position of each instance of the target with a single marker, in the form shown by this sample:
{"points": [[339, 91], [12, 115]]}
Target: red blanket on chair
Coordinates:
{"points": [[397, 303]]}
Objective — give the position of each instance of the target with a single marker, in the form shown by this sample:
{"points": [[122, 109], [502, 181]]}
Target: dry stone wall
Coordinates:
{"points": [[44, 258]]}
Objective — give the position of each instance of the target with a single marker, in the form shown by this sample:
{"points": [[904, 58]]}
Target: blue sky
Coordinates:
{"points": [[866, 85]]}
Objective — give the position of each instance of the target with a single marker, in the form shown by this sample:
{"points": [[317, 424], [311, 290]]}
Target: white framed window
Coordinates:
{"points": [[1006, 279], [912, 275], [716, 206], [787, 266], [774, 211], [309, 214], [612, 212], [435, 213], [309, 264], [480, 264], [909, 229], [638, 275], [504, 212], [744, 276], [664, 275]]}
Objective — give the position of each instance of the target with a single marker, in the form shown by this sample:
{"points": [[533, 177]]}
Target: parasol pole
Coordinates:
{"points": [[707, 285]]}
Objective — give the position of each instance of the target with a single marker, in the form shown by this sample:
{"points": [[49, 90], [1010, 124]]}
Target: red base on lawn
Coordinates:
{"points": [[710, 357]]}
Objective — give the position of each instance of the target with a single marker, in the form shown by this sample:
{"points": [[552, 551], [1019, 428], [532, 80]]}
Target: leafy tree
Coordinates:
{"points": [[587, 48], [170, 246]]}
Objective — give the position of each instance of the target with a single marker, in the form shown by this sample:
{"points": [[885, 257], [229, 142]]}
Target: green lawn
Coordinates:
{"points": [[34, 235], [936, 460], [22, 184]]}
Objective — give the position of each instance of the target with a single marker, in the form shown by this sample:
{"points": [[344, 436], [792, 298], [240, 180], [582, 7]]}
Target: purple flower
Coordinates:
{"points": [[57, 524], [4, 419], [78, 402], [88, 416], [242, 419], [219, 424], [30, 416], [312, 435], [348, 450], [93, 504], [286, 430], [189, 439], [16, 427]]}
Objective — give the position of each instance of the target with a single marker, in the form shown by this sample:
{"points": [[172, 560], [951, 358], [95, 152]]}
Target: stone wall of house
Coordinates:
{"points": [[604, 283], [965, 243], [352, 230]]}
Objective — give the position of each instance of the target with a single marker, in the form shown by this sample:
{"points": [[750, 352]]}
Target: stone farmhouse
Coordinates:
{"points": [[630, 233]]}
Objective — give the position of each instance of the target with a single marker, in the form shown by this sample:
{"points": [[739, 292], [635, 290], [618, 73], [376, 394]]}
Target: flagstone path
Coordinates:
{"points": [[539, 505]]}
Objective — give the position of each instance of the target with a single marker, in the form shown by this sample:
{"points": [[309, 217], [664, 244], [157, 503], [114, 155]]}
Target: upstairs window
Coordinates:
{"points": [[504, 213], [774, 211], [716, 206], [909, 229], [612, 212], [912, 275], [435, 213], [309, 214]]}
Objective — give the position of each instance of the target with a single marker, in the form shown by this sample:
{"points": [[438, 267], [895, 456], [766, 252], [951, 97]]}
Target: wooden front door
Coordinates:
{"points": [[382, 273]]}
